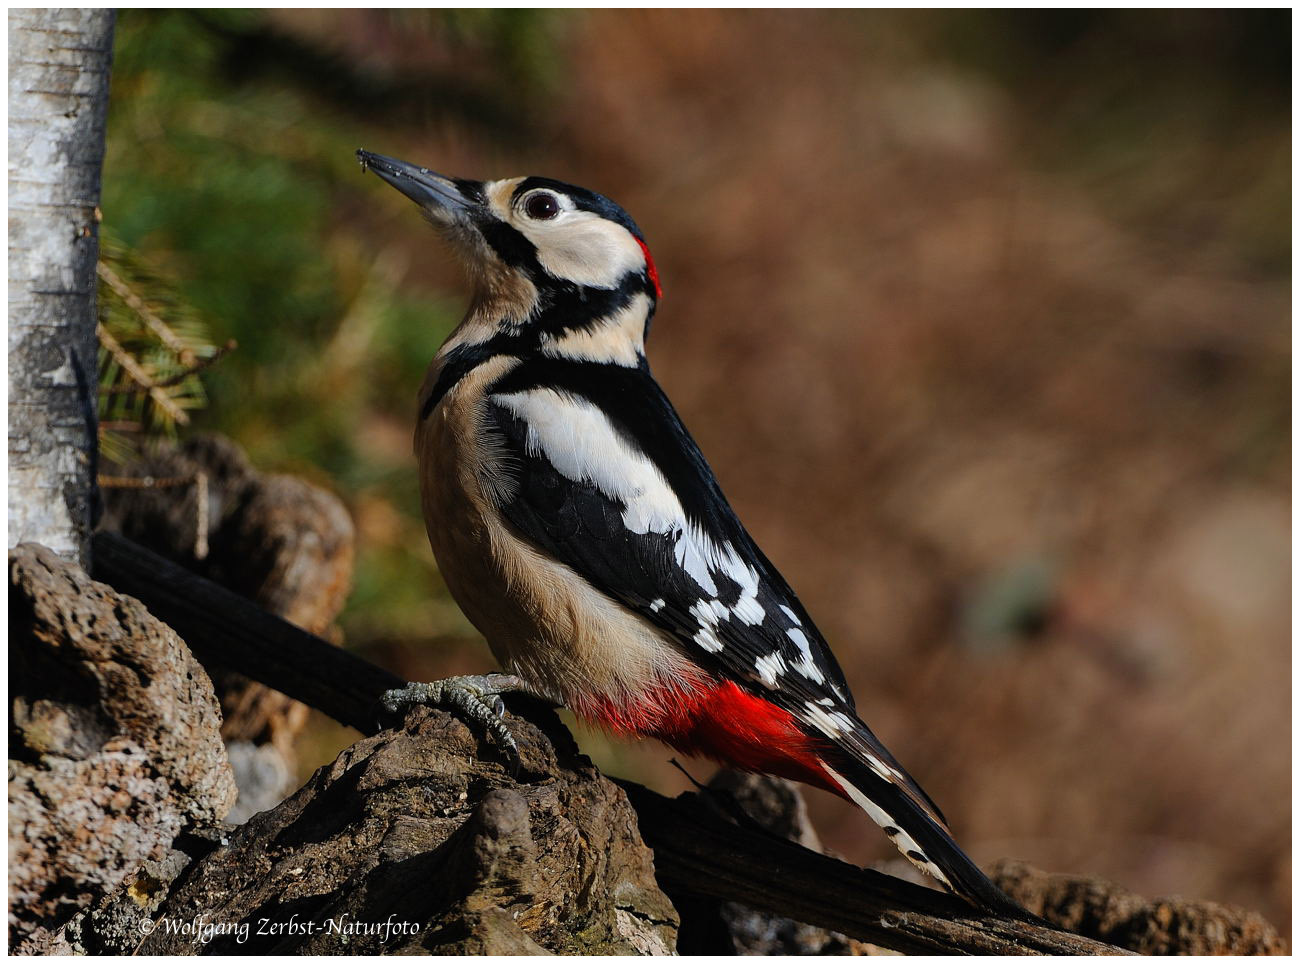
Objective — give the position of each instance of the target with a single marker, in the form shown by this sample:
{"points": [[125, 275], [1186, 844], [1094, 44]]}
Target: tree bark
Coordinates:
{"points": [[58, 101]]}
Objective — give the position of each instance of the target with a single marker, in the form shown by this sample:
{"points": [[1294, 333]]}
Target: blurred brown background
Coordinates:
{"points": [[981, 318]]}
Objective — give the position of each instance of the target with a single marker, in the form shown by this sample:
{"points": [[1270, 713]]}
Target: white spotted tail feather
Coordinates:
{"points": [[870, 777]]}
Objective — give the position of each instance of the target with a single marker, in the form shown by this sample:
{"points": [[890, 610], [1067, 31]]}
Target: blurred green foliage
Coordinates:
{"points": [[230, 151], [148, 366]]}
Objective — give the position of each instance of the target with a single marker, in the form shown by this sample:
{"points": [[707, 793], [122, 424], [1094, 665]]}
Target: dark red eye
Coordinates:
{"points": [[541, 206]]}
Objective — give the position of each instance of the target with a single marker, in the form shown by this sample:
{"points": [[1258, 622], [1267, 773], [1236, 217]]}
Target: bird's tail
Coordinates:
{"points": [[870, 777]]}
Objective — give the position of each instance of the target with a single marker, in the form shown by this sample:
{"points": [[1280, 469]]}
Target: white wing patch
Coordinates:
{"points": [[578, 440]]}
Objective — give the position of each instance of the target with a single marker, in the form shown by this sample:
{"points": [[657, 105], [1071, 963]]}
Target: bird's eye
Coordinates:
{"points": [[541, 206]]}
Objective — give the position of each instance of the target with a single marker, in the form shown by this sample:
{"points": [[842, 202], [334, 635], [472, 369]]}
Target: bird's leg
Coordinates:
{"points": [[477, 698]]}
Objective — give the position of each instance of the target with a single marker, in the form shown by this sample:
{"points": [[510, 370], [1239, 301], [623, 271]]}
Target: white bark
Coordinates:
{"points": [[58, 99]]}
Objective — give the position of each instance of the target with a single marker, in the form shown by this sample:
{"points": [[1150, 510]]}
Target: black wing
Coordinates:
{"points": [[579, 522], [741, 620]]}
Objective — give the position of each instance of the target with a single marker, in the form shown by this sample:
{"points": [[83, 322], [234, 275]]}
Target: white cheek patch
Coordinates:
{"points": [[584, 248], [577, 246]]}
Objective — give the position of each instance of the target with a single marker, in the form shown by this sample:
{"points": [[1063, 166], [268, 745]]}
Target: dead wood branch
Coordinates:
{"points": [[696, 851]]}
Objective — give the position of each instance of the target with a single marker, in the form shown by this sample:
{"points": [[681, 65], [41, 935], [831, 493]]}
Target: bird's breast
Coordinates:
{"points": [[542, 620]]}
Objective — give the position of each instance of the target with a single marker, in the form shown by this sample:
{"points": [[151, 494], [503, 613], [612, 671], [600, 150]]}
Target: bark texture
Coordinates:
{"points": [[278, 540], [726, 927], [58, 99], [702, 852], [410, 825], [1167, 925], [114, 744]]}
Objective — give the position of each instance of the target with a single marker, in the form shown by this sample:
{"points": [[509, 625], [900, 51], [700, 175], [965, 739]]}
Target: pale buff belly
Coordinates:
{"points": [[543, 622]]}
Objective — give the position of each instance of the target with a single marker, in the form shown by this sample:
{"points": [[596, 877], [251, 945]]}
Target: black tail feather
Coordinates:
{"points": [[920, 838]]}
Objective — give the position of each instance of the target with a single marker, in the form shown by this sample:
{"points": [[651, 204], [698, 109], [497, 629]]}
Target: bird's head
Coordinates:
{"points": [[553, 264]]}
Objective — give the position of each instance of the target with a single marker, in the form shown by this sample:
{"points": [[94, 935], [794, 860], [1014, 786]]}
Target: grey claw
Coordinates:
{"points": [[477, 699]]}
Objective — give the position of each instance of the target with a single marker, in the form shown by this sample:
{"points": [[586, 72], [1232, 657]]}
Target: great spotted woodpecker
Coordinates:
{"points": [[578, 525]]}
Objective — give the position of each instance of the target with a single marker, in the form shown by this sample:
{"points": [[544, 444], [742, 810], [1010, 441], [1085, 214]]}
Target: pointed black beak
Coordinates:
{"points": [[439, 196]]}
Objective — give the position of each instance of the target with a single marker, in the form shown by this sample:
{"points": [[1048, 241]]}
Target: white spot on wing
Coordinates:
{"points": [[832, 724], [806, 666], [657, 605], [707, 639], [799, 639], [810, 670], [692, 554], [703, 612], [790, 614], [748, 611], [769, 668]]}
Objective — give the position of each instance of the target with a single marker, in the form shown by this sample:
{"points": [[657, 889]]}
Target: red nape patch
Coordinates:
{"points": [[723, 722], [651, 270]]}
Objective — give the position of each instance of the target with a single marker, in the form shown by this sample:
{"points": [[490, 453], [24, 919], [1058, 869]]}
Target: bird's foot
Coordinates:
{"points": [[476, 698]]}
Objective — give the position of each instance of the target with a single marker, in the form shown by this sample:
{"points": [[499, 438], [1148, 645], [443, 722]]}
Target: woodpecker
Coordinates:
{"points": [[579, 527]]}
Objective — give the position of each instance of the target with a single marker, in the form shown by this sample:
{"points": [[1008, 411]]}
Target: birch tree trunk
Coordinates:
{"points": [[58, 100]]}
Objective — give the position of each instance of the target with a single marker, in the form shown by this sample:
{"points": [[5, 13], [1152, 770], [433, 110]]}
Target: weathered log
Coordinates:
{"points": [[1168, 925], [229, 632], [409, 842], [113, 748], [275, 539], [730, 928], [696, 851]]}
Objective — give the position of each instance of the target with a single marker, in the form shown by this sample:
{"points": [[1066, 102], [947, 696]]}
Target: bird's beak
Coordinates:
{"points": [[441, 197]]}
